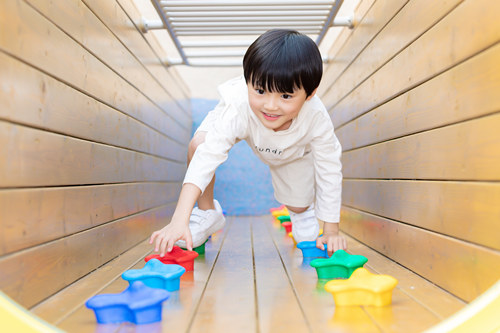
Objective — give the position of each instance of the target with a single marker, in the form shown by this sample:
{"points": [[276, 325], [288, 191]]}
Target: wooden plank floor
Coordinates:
{"points": [[252, 279]]}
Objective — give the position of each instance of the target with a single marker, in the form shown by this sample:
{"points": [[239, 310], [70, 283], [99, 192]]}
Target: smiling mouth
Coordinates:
{"points": [[269, 116]]}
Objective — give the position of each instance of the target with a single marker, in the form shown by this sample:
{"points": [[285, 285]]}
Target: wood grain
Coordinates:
{"points": [[439, 302], [431, 54], [414, 19], [62, 304], [317, 305], [283, 281], [146, 47], [111, 50], [463, 269], [229, 298], [31, 276], [278, 308], [46, 103], [406, 314], [38, 158], [466, 151], [464, 210], [41, 44], [370, 21], [464, 92], [29, 217]]}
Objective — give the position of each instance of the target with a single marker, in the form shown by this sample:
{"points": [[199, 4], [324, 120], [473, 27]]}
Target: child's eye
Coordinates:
{"points": [[286, 96], [260, 91]]}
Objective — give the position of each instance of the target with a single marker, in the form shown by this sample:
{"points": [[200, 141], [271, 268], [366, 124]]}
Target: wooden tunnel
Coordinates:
{"points": [[93, 140]]}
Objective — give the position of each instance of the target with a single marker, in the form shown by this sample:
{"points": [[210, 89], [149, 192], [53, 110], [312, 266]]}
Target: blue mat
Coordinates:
{"points": [[242, 183]]}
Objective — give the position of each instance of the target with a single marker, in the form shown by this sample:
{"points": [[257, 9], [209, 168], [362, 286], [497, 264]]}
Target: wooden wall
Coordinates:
{"points": [[414, 94], [93, 137]]}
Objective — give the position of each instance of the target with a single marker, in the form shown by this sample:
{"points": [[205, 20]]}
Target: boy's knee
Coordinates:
{"points": [[197, 140], [297, 210]]}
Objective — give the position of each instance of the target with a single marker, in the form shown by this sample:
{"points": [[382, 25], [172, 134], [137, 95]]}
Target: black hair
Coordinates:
{"points": [[282, 60]]}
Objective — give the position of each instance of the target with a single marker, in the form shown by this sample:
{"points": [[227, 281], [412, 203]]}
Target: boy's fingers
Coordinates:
{"points": [[157, 244], [189, 242], [319, 243], [153, 236], [331, 247], [341, 244], [170, 246], [163, 247]]}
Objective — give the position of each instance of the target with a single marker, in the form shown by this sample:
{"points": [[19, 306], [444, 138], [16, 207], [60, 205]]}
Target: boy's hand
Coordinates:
{"points": [[331, 238], [178, 228], [166, 237]]}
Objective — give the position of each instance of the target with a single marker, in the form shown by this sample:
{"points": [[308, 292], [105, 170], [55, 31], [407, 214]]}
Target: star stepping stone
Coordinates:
{"points": [[288, 226], [362, 289], [177, 256], [339, 266], [284, 218], [309, 250], [137, 304], [156, 274]]}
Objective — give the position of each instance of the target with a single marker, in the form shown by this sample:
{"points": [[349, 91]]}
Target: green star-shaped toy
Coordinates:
{"points": [[339, 266]]}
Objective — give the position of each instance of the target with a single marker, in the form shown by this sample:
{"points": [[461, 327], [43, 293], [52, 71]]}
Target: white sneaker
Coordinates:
{"points": [[203, 223], [305, 226]]}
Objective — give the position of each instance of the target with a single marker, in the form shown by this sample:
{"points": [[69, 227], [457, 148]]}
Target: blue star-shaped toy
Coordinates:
{"points": [[339, 266], [309, 250], [156, 274], [137, 304]]}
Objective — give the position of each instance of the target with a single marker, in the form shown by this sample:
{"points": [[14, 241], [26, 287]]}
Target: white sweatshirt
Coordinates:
{"points": [[311, 131]]}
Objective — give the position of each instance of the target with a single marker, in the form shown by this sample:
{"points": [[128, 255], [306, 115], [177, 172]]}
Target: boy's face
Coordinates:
{"points": [[276, 110]]}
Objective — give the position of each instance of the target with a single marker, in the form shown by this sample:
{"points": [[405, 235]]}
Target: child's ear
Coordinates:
{"points": [[312, 94]]}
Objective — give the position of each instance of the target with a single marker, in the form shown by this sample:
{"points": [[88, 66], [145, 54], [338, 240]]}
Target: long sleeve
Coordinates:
{"points": [[326, 152], [226, 131]]}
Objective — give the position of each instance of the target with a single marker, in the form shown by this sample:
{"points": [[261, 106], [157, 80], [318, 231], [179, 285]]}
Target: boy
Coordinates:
{"points": [[273, 108]]}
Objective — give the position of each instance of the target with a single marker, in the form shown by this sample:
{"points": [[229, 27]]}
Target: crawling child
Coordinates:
{"points": [[274, 108]]}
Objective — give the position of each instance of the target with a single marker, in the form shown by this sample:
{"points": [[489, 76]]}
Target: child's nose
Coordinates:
{"points": [[271, 103]]}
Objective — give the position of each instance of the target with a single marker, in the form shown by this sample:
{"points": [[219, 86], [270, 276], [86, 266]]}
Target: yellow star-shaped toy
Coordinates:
{"points": [[362, 288], [280, 212]]}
